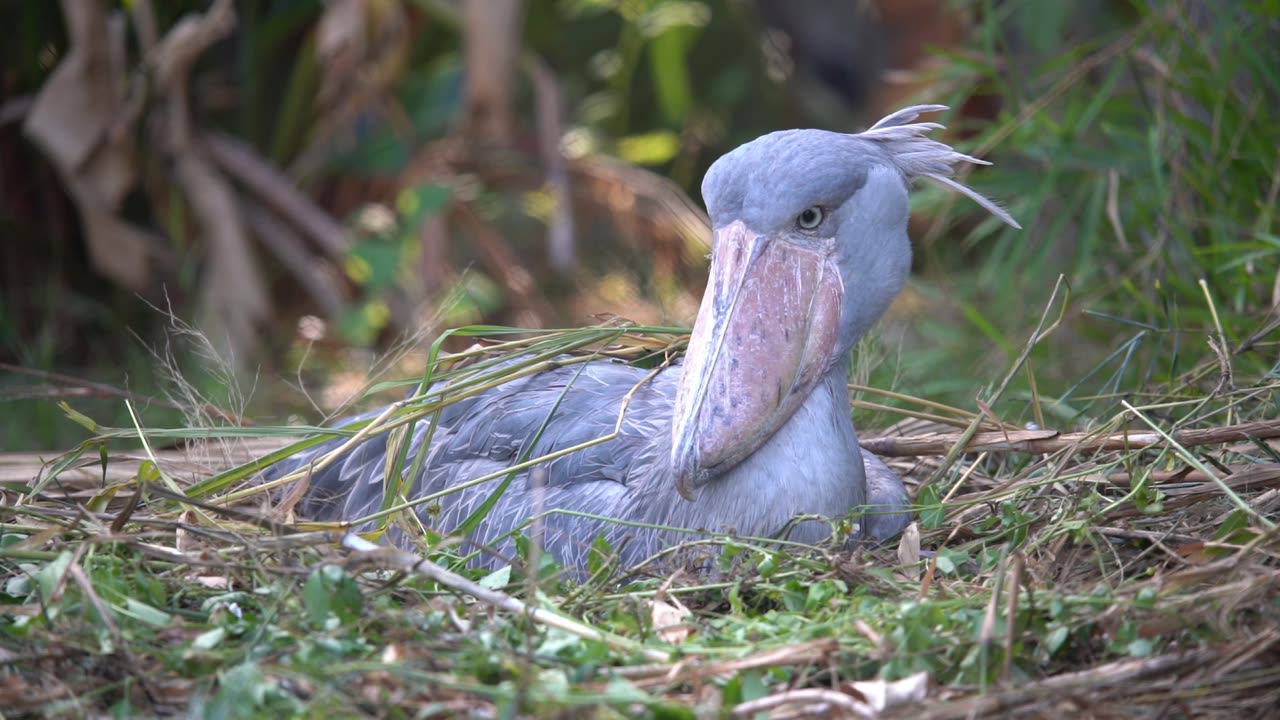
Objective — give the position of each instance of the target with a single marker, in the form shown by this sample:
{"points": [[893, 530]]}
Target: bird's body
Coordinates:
{"points": [[751, 430], [626, 477]]}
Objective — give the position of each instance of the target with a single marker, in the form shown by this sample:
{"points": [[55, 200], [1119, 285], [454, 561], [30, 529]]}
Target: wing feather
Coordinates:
{"points": [[494, 430]]}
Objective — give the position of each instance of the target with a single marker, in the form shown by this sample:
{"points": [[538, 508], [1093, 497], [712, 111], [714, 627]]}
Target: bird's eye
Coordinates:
{"points": [[810, 218]]}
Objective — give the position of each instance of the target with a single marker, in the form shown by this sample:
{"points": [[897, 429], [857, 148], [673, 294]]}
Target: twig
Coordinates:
{"points": [[1179, 447], [1148, 535], [104, 390], [1044, 328], [1122, 478], [277, 191], [548, 102], [808, 653], [133, 667], [1050, 441], [288, 248], [806, 695], [491, 43], [1011, 616], [914, 414], [367, 552]]}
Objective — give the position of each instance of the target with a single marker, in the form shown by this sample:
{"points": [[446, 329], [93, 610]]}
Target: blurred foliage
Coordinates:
{"points": [[667, 84], [1133, 145], [1130, 138]]}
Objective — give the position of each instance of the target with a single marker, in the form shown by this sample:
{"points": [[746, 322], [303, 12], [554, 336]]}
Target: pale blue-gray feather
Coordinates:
{"points": [[801, 470]]}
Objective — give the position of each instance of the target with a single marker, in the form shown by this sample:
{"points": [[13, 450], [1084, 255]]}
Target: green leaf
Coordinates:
{"points": [[384, 152], [102, 459], [988, 329], [79, 418], [821, 594], [753, 685], [100, 499], [360, 325], [1056, 638], [735, 599], [731, 550], [49, 575], [17, 586], [496, 579], [209, 639], [651, 148], [148, 472], [668, 63], [622, 690], [1236, 520], [767, 566], [145, 613], [795, 596], [949, 561], [428, 200], [374, 264], [945, 565], [932, 514], [330, 591], [1142, 647], [601, 552]]}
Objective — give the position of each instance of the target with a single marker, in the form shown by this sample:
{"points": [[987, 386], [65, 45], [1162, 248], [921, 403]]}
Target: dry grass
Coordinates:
{"points": [[1048, 575]]}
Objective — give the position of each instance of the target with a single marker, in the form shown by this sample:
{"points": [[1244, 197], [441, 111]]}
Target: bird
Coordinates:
{"points": [[750, 433]]}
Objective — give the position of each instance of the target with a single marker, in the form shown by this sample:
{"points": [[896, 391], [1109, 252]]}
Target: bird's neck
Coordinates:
{"points": [[828, 402], [822, 424]]}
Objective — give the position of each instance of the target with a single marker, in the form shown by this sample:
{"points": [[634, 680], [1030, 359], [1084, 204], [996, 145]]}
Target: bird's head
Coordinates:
{"points": [[810, 246]]}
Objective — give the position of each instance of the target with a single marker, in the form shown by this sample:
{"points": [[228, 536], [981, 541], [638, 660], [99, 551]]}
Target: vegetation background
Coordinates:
{"points": [[392, 168], [252, 211]]}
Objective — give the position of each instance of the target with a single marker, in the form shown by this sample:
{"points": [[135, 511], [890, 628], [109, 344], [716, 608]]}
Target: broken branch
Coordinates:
{"points": [[1049, 441]]}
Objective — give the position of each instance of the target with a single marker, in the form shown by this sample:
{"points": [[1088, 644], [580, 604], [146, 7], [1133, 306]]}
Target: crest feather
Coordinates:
{"points": [[919, 156]]}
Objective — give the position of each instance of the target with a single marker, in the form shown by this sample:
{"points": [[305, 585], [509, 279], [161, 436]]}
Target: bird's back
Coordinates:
{"points": [[623, 477], [616, 486]]}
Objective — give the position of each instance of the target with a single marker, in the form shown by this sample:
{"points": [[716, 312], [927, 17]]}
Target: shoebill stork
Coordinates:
{"points": [[753, 428]]}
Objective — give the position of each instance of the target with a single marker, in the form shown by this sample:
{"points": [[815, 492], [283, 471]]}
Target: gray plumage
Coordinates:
{"points": [[758, 432]]}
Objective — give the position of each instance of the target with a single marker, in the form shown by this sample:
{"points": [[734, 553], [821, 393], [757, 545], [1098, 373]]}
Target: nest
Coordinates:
{"points": [[1127, 569]]}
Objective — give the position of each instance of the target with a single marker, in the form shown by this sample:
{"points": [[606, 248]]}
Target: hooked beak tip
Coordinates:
{"points": [[684, 465], [682, 487]]}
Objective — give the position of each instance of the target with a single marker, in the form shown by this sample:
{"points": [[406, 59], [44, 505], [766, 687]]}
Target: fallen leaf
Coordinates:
{"points": [[909, 545], [183, 540], [392, 653], [668, 620], [213, 582], [1194, 552], [884, 694]]}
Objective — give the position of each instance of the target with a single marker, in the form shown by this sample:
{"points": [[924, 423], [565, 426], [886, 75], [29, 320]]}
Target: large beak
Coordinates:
{"points": [[765, 335]]}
